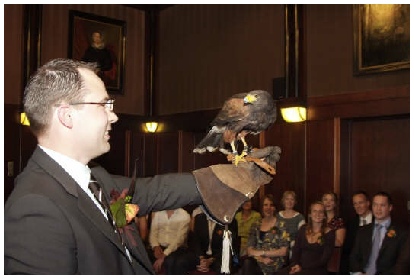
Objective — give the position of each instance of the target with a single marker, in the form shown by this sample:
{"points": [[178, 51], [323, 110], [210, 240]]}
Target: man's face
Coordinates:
{"points": [[92, 122], [96, 37], [381, 208], [361, 204]]}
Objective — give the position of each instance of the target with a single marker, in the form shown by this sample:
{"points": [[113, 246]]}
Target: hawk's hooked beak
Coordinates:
{"points": [[249, 99]]}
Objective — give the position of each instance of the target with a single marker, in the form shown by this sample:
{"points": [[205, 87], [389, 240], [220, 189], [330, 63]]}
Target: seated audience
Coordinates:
{"points": [[379, 247], [245, 218], [336, 223], [168, 237], [314, 244], [268, 243], [363, 217], [293, 219]]}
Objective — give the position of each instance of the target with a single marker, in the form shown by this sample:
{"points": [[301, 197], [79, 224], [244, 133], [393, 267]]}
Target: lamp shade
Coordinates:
{"points": [[151, 126], [294, 114]]}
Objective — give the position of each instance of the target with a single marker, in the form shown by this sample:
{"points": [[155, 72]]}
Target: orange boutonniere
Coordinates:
{"points": [[122, 210], [391, 233]]}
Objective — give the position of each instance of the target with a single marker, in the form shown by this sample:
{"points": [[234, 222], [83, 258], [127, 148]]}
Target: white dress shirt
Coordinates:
{"points": [[367, 218], [169, 232], [79, 172]]}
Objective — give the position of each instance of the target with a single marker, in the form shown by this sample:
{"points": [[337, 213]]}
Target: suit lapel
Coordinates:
{"points": [[387, 240], [95, 216], [85, 204]]}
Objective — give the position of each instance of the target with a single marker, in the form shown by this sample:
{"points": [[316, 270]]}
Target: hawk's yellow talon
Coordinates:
{"points": [[239, 158]]}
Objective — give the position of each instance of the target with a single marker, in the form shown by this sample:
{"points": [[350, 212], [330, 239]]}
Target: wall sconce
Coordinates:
{"points": [[151, 126], [23, 119], [293, 114]]}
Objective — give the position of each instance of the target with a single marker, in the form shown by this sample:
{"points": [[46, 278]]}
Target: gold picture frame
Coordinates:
{"points": [[381, 38], [109, 52]]}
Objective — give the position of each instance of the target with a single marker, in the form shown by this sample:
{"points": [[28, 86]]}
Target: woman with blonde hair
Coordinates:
{"points": [[293, 219]]}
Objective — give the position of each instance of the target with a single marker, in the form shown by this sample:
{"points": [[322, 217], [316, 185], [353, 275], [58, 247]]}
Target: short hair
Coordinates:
{"points": [[287, 193], [59, 80], [383, 194], [268, 197], [361, 192]]}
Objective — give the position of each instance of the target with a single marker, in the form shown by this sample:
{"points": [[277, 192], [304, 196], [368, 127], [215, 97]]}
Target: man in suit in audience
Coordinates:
{"points": [[378, 245], [363, 217]]}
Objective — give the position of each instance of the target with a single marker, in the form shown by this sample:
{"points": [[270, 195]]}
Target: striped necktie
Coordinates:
{"points": [[100, 197]]}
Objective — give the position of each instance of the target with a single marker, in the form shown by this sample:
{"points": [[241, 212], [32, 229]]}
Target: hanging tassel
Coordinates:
{"points": [[227, 249]]}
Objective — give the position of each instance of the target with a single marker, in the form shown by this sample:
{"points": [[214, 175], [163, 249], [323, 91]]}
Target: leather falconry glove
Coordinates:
{"points": [[224, 187]]}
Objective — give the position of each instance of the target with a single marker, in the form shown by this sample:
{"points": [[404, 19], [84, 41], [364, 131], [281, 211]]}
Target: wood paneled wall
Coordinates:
{"points": [[207, 53]]}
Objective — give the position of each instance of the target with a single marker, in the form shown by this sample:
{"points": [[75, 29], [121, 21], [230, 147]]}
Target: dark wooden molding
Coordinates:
{"points": [[149, 7], [381, 102]]}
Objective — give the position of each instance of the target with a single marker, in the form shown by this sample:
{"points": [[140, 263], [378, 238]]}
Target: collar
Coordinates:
{"points": [[78, 171], [386, 223]]}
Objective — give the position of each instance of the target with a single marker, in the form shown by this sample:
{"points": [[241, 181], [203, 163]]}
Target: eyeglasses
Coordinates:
{"points": [[109, 104]]}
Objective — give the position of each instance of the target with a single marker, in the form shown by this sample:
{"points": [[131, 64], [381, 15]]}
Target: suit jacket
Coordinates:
{"points": [[352, 226], [53, 227], [391, 247]]}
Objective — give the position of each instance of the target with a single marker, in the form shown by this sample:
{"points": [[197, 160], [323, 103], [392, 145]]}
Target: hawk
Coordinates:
{"points": [[241, 114]]}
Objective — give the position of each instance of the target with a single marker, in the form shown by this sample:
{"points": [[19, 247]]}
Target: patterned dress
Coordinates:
{"points": [[275, 238], [336, 223], [292, 224]]}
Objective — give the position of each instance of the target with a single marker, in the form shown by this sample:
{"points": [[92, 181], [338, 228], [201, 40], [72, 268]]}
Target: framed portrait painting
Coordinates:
{"points": [[99, 39], [381, 38]]}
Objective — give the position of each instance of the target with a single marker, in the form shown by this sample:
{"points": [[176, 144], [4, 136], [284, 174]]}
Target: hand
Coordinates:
{"points": [[266, 260], [294, 269], [158, 252], [158, 264], [204, 265]]}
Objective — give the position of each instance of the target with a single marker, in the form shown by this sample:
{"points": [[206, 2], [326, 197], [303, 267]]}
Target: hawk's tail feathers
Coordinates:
{"points": [[210, 142]]}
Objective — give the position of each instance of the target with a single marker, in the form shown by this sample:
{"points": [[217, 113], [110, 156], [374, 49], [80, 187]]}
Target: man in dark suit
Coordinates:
{"points": [[378, 245], [363, 217], [54, 224]]}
